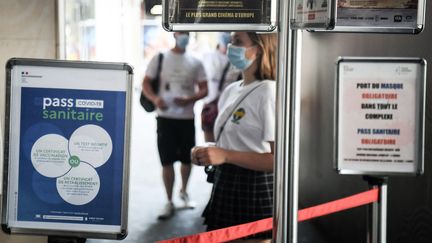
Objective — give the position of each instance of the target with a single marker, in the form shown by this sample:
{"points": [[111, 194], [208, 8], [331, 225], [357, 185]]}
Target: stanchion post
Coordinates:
{"points": [[377, 212], [287, 131], [383, 212]]}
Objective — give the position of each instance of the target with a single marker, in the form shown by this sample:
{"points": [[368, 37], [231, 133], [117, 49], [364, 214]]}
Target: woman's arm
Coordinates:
{"points": [[250, 160]]}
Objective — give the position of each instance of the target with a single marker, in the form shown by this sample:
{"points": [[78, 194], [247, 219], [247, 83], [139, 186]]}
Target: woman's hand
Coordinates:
{"points": [[205, 156]]}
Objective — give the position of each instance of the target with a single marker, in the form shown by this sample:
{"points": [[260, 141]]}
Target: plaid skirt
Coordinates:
{"points": [[239, 196]]}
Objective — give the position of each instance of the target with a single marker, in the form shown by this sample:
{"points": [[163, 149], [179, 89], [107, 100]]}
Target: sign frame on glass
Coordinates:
{"points": [[378, 132], [321, 18], [66, 153], [176, 18], [377, 20]]}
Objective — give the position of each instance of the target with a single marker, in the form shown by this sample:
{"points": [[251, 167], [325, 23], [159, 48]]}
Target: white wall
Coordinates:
{"points": [[27, 29]]}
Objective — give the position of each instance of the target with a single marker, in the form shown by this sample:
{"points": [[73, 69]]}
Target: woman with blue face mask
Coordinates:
{"points": [[244, 131]]}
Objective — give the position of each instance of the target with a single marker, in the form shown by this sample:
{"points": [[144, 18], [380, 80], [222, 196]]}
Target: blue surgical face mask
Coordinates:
{"points": [[236, 56], [182, 41]]}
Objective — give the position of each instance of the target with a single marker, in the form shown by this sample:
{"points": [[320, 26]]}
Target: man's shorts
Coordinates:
{"points": [[176, 138]]}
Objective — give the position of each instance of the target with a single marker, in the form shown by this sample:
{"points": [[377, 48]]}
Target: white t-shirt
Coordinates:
{"points": [[179, 76], [214, 64], [251, 126]]}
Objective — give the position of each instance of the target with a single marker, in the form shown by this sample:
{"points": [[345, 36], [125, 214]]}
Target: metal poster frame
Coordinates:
{"points": [[121, 88], [419, 99], [169, 24], [420, 23], [328, 24]]}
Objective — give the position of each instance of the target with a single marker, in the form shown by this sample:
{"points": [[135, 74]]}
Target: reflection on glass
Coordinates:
{"points": [[80, 30]]}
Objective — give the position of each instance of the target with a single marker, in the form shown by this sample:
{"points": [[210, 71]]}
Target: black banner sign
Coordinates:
{"points": [[221, 11]]}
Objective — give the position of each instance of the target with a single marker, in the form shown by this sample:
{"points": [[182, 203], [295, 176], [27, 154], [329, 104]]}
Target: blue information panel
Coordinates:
{"points": [[67, 161]]}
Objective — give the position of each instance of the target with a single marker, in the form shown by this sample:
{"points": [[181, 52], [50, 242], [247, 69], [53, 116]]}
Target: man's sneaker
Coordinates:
{"points": [[187, 202], [167, 212]]}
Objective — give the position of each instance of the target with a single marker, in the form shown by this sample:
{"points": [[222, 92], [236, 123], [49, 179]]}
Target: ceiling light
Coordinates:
{"points": [[156, 10]]}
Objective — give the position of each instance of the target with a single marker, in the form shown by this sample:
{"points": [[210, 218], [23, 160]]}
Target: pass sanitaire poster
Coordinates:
{"points": [[71, 156]]}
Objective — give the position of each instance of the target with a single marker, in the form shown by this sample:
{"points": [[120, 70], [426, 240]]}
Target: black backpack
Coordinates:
{"points": [[155, 83]]}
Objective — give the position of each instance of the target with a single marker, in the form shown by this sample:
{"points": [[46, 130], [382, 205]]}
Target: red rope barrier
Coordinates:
{"points": [[339, 205], [243, 230], [226, 234]]}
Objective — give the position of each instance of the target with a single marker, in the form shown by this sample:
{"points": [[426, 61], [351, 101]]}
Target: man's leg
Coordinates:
{"points": [[187, 142], [168, 176], [185, 174], [166, 153]]}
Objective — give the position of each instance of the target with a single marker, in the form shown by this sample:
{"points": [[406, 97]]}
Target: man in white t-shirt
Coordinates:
{"points": [[182, 82]]}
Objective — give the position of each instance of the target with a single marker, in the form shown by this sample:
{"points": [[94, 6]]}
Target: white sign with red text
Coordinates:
{"points": [[380, 116]]}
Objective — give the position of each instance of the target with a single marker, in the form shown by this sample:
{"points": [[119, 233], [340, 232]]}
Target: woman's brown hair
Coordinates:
{"points": [[266, 60]]}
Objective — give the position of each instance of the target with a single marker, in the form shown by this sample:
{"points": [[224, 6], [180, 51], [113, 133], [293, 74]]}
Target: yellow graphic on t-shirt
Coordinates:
{"points": [[237, 115]]}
